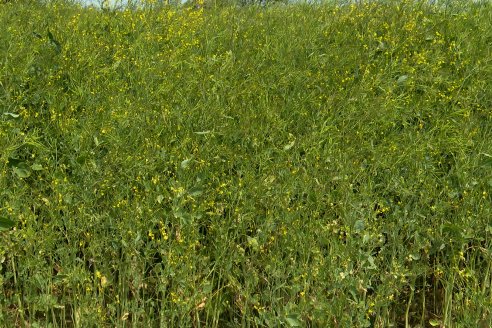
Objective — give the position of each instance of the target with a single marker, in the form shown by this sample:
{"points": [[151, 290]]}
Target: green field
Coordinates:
{"points": [[288, 166]]}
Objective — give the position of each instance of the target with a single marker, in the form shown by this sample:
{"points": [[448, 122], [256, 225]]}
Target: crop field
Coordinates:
{"points": [[245, 166]]}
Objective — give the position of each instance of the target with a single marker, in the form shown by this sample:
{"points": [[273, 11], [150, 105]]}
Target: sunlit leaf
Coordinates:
{"points": [[22, 170], [434, 322], [372, 265], [290, 145], [402, 79], [36, 167], [13, 115], [202, 132], [253, 243], [185, 164]]}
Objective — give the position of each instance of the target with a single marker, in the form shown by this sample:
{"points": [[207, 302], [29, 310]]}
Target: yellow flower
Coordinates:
{"points": [[104, 281]]}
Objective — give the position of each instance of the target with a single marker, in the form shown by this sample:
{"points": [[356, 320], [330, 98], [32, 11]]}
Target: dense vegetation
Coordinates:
{"points": [[323, 166]]}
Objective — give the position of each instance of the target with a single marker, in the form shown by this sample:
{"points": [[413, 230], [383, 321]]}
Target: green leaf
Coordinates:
{"points": [[6, 223], [452, 230], [54, 41], [50, 35], [402, 79], [13, 115], [68, 198], [60, 277], [202, 132], [37, 35], [290, 145], [359, 225], [372, 265], [486, 160], [293, 321], [207, 288], [434, 322], [36, 167], [195, 191], [81, 159], [13, 162], [253, 243], [184, 218], [22, 170], [185, 164]]}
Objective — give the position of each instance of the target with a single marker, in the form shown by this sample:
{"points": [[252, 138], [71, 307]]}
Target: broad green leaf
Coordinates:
{"points": [[196, 216], [453, 230], [184, 218], [37, 167], [6, 223], [359, 225], [293, 321], [195, 191], [81, 159], [207, 287], [68, 198], [185, 163], [290, 145], [402, 79], [178, 213], [372, 265], [22, 170]]}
